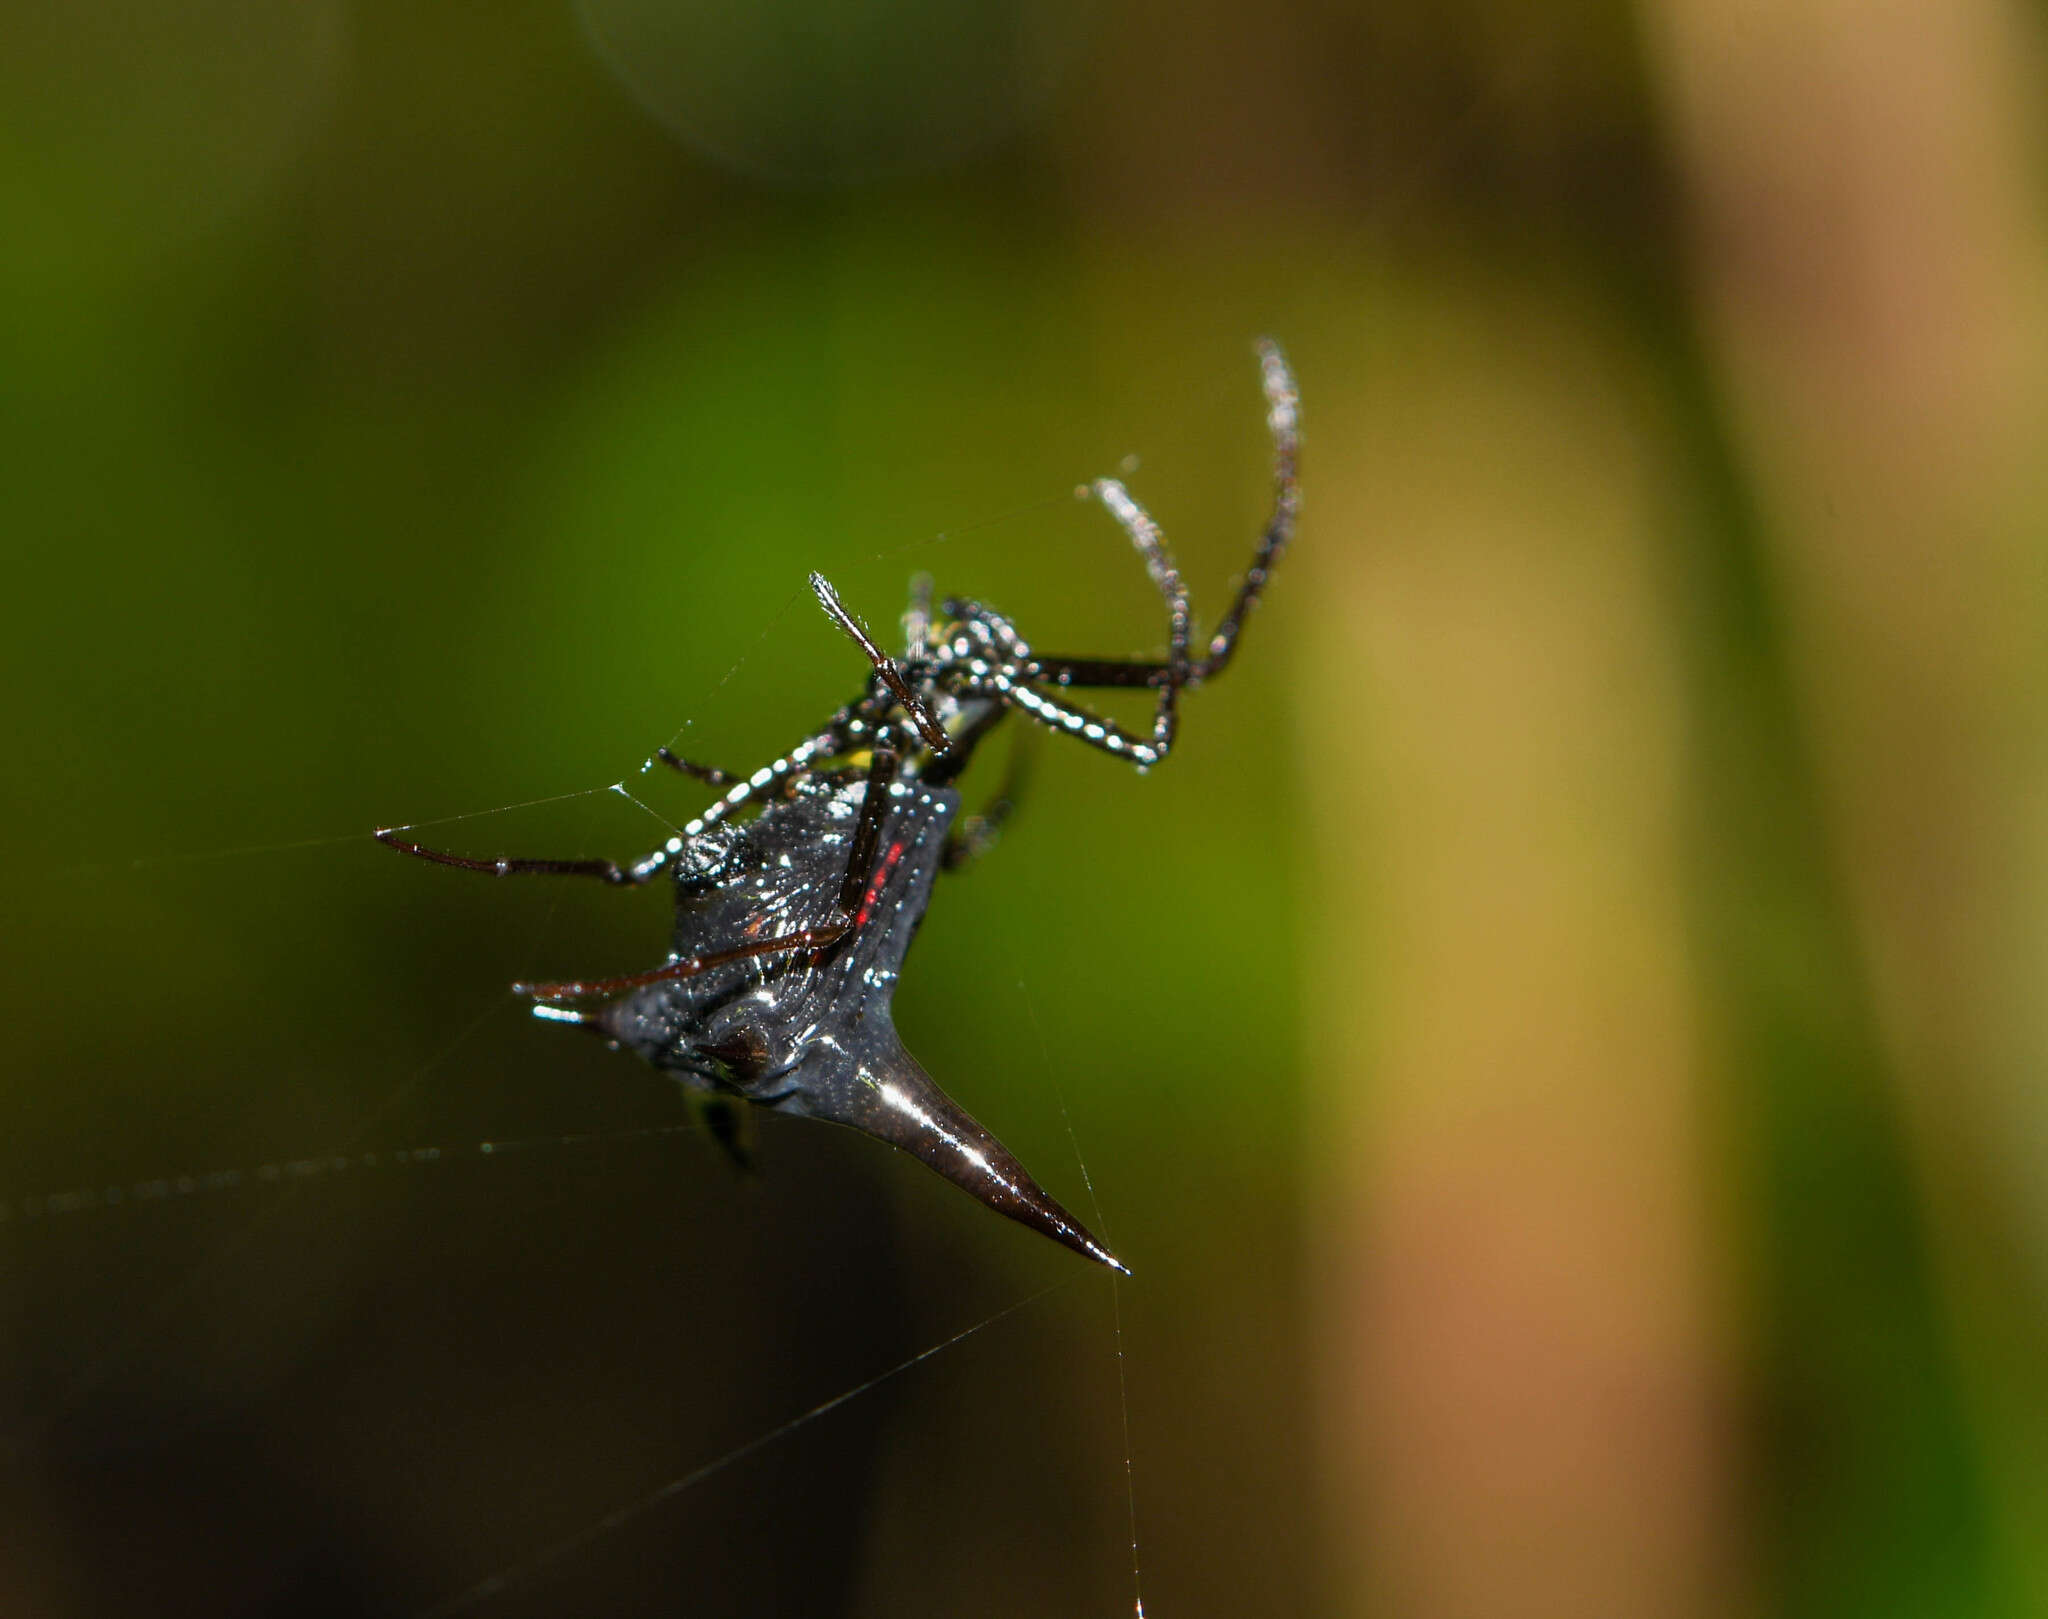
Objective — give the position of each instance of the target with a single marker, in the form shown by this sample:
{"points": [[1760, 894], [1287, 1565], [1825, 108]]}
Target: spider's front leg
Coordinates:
{"points": [[1283, 423], [1016, 682]]}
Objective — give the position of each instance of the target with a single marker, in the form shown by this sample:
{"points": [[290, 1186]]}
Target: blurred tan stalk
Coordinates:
{"points": [[1515, 1281], [1870, 264]]}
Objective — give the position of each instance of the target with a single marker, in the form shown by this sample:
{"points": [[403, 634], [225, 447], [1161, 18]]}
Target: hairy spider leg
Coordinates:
{"points": [[849, 726], [1004, 677], [1084, 725], [1151, 545], [1010, 680], [1283, 423], [867, 831], [886, 668], [1159, 563], [984, 624], [590, 989], [974, 835], [882, 768], [741, 792], [609, 870], [981, 677], [710, 775]]}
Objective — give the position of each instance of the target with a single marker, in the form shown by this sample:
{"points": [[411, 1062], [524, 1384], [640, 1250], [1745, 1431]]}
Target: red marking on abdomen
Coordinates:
{"points": [[890, 857]]}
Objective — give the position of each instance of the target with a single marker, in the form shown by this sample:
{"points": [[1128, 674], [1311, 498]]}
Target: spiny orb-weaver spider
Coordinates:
{"points": [[791, 925]]}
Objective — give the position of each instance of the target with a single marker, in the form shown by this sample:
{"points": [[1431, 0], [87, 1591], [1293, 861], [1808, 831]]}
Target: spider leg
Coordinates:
{"points": [[591, 989], [609, 870], [886, 669], [867, 832], [1084, 725], [739, 792], [1151, 545], [739, 789], [1013, 687], [852, 891], [710, 775], [1283, 421], [831, 738], [994, 631], [974, 835], [1101, 672], [943, 770]]}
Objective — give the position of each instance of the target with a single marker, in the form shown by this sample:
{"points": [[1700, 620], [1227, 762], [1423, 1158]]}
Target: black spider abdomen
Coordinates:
{"points": [[748, 1026]]}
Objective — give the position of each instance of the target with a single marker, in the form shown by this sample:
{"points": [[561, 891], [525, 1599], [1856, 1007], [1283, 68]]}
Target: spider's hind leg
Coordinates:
{"points": [[973, 836]]}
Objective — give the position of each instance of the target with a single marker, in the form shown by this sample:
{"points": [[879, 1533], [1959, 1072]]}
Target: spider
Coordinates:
{"points": [[791, 923]]}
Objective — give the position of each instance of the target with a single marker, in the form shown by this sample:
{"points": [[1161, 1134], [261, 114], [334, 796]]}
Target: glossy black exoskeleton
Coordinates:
{"points": [[800, 888], [814, 1036]]}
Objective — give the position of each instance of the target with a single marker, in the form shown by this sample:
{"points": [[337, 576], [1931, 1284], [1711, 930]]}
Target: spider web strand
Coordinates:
{"points": [[519, 1573]]}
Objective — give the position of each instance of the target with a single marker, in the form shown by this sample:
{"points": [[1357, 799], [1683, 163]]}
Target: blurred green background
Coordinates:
{"points": [[1560, 1044]]}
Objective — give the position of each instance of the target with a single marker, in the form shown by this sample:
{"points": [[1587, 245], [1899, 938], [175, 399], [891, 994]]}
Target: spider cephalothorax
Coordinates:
{"points": [[800, 888]]}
